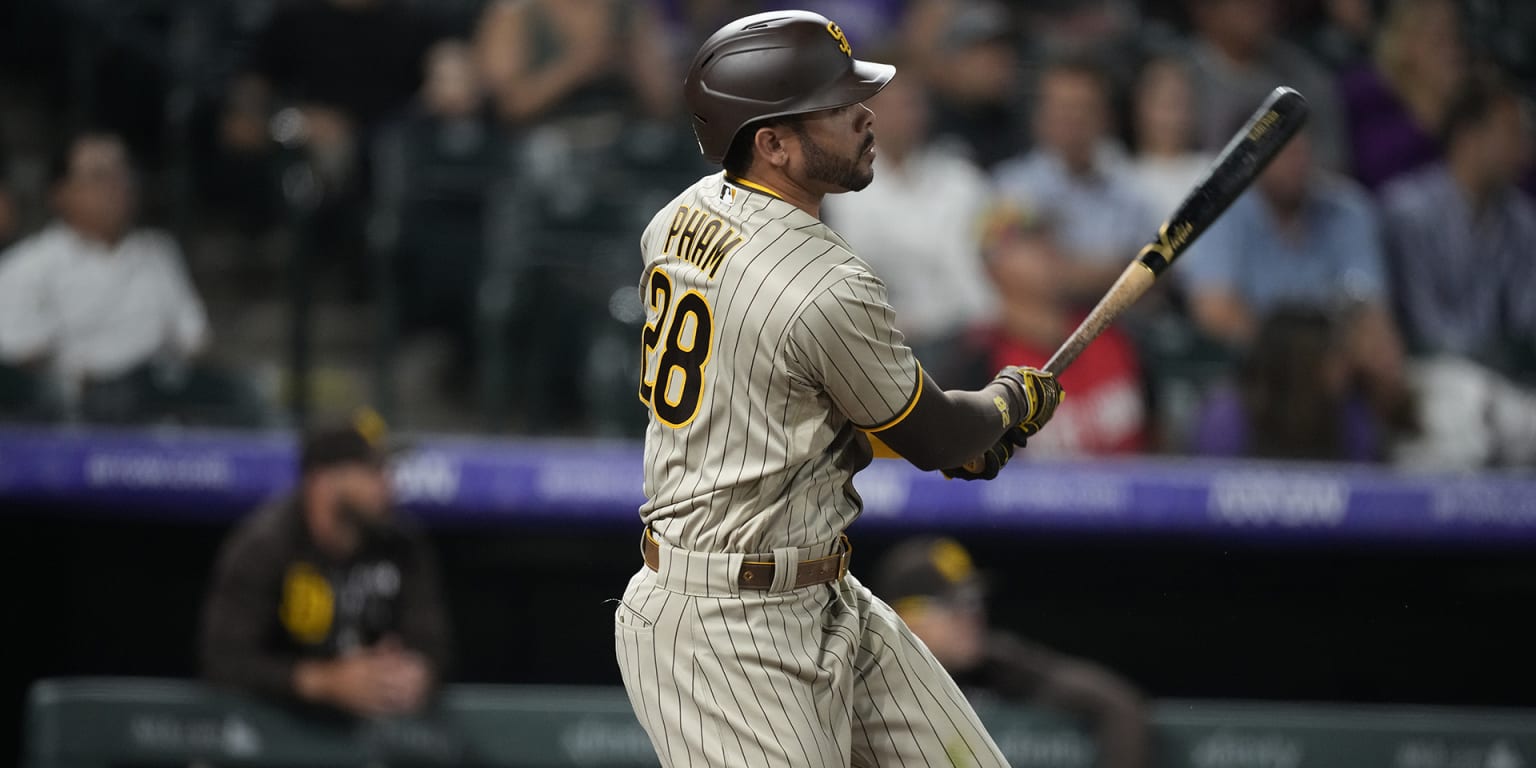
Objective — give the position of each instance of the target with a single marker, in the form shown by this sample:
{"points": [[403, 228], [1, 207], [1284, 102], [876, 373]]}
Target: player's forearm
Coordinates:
{"points": [[948, 428]]}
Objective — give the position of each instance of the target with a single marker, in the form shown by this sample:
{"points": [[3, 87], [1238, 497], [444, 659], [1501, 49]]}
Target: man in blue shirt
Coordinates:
{"points": [[1301, 237], [1462, 237]]}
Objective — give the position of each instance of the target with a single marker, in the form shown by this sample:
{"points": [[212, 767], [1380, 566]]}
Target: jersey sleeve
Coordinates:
{"points": [[845, 342]]}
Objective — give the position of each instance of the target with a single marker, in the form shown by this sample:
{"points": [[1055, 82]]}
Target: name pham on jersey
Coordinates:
{"points": [[701, 239]]}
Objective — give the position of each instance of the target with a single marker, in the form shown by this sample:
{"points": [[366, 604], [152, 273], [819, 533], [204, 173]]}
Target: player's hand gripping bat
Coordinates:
{"points": [[1246, 154]]}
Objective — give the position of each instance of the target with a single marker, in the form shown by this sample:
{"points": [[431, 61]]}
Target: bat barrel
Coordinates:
{"points": [[1273, 124]]}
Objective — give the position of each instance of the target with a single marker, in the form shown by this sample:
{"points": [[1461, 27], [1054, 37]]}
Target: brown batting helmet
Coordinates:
{"points": [[772, 65]]}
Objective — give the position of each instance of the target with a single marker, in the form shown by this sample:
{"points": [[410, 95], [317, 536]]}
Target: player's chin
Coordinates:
{"points": [[861, 181], [861, 174]]}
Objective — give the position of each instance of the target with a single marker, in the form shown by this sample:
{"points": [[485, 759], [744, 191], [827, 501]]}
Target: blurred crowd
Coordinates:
{"points": [[242, 212]]}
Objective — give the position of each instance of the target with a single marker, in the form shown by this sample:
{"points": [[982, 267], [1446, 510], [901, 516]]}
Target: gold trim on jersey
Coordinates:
{"points": [[879, 449], [900, 417], [753, 186]]}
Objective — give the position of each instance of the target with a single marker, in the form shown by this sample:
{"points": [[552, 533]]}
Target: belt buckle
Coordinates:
{"points": [[844, 557]]}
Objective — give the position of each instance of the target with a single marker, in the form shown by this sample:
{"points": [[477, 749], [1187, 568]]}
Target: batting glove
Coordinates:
{"points": [[1042, 393], [985, 466]]}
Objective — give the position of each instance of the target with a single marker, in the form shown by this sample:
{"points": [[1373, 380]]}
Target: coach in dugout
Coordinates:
{"points": [[326, 597], [934, 585]]}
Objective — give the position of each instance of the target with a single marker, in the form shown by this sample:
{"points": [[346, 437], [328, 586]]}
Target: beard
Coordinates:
{"points": [[376, 532], [842, 172]]}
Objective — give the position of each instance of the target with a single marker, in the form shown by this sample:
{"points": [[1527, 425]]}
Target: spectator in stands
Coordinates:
{"points": [[934, 586], [1501, 31], [322, 77], [1106, 413], [20, 389], [918, 221], [1292, 398], [10, 217], [1472, 418], [92, 298], [870, 25], [973, 71], [1342, 39], [1303, 236], [1078, 177], [1461, 236], [1396, 104], [686, 23], [434, 170], [1239, 59], [556, 59], [326, 597], [344, 64], [1168, 161], [1108, 31]]}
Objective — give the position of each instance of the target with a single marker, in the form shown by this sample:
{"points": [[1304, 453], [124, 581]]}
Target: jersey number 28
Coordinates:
{"points": [[673, 351]]}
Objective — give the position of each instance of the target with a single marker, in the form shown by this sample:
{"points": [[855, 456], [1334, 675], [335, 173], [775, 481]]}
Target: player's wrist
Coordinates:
{"points": [[1012, 379], [1009, 385]]}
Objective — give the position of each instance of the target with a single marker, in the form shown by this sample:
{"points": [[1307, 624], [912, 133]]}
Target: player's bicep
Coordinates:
{"points": [[846, 343]]}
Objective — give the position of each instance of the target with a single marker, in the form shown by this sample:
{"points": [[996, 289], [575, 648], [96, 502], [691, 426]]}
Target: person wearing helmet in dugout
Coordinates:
{"points": [[934, 585], [771, 368]]}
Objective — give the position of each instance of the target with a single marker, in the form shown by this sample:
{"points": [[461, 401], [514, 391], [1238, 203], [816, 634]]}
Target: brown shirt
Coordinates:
{"points": [[275, 600]]}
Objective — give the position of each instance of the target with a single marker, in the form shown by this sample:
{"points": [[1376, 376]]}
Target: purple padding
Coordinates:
{"points": [[468, 480]]}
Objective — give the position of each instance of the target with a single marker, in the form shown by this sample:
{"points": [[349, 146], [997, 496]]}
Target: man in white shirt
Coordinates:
{"points": [[91, 298], [919, 222]]}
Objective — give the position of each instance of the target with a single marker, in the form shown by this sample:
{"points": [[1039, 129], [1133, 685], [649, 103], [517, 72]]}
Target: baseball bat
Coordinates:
{"points": [[1240, 162], [1272, 125]]}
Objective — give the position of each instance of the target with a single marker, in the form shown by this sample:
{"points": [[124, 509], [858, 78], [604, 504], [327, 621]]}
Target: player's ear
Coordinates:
{"points": [[769, 144]]}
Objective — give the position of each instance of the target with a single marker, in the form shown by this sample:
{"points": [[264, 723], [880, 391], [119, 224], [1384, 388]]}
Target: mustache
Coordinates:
{"points": [[869, 141]]}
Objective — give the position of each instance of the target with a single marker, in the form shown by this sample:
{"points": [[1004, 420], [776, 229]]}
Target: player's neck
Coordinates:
{"points": [[769, 181]]}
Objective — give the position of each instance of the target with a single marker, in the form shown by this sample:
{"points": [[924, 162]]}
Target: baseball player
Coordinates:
{"points": [[770, 364]]}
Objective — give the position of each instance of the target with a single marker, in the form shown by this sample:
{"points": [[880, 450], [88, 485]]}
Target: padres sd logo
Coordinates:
{"points": [[842, 42], [308, 604], [951, 561]]}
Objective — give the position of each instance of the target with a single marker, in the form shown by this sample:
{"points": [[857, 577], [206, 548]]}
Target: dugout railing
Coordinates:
{"points": [[101, 722]]}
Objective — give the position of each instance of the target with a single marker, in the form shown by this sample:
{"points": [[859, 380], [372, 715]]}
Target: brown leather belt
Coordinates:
{"points": [[759, 575]]}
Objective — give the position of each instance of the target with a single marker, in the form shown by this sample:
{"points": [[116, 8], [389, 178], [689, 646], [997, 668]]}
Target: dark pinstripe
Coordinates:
{"points": [[803, 352]]}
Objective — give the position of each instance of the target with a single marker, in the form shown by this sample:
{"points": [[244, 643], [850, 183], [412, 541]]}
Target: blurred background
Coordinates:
{"points": [[1298, 473]]}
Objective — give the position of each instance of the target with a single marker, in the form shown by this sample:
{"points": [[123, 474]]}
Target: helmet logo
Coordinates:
{"points": [[842, 42]]}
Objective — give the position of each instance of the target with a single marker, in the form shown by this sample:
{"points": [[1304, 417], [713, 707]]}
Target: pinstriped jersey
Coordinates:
{"points": [[768, 347]]}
